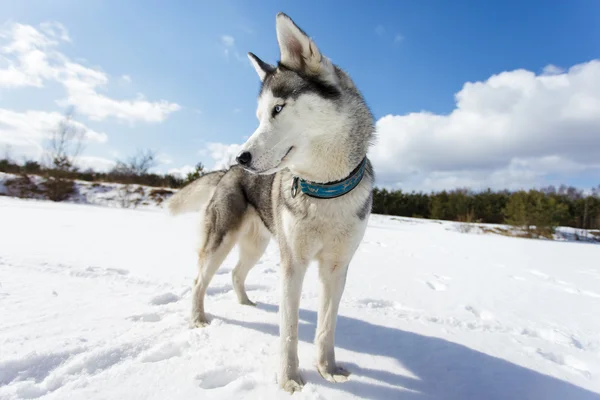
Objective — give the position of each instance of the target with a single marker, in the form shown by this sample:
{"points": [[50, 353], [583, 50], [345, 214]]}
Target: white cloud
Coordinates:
{"points": [[98, 164], [182, 171], [228, 41], [551, 69], [11, 77], [26, 132], [55, 29], [381, 31], [164, 159], [30, 58], [229, 48], [516, 129], [126, 78], [94, 136], [228, 44], [98, 107], [222, 154]]}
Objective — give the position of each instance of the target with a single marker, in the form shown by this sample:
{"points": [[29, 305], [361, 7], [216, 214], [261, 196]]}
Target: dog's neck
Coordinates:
{"points": [[330, 160]]}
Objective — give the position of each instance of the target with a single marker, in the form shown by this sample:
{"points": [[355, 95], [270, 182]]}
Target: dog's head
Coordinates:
{"points": [[298, 104]]}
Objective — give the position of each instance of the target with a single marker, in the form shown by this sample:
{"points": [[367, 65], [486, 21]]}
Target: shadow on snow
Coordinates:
{"points": [[444, 370]]}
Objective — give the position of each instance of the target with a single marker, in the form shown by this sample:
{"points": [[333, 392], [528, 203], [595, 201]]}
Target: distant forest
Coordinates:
{"points": [[544, 208]]}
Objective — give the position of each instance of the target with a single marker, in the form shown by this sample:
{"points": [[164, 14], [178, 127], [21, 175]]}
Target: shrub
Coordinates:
{"points": [[23, 187], [160, 195]]}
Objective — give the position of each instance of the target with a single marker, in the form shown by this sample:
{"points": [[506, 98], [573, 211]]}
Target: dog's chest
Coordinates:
{"points": [[308, 227]]}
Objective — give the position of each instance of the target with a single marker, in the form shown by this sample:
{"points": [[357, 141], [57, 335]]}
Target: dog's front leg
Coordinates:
{"points": [[332, 276], [292, 277]]}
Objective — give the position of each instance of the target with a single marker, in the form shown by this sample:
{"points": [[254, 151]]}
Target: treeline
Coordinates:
{"points": [[542, 209], [123, 172]]}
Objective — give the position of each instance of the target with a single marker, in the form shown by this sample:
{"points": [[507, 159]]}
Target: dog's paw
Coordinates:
{"points": [[248, 302], [335, 375], [292, 384], [199, 322]]}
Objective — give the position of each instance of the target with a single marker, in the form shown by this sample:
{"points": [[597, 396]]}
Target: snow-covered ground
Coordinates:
{"points": [[94, 304]]}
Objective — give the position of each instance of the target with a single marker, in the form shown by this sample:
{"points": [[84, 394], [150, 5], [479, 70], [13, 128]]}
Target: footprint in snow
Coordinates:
{"points": [[163, 352], [437, 286], [480, 314], [385, 304], [46, 373], [539, 274], [164, 298], [565, 360], [102, 271], [563, 285], [557, 337], [118, 271], [34, 367], [152, 317], [223, 377], [373, 303]]}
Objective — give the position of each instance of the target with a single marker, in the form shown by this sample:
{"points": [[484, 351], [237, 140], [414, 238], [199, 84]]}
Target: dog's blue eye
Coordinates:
{"points": [[277, 109]]}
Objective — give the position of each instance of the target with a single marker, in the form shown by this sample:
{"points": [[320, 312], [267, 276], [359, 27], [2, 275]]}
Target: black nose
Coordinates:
{"points": [[244, 158]]}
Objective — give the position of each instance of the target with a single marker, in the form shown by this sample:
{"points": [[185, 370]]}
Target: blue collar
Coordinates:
{"points": [[330, 190]]}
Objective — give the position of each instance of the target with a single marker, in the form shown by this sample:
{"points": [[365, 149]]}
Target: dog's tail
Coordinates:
{"points": [[195, 195]]}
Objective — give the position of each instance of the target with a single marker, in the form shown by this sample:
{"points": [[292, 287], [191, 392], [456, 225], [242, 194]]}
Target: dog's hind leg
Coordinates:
{"points": [[210, 257], [222, 219], [252, 245]]}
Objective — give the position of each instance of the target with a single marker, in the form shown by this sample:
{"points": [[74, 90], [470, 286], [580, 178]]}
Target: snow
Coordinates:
{"points": [[95, 302]]}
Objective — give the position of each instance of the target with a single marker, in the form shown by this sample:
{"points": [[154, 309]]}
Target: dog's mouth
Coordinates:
{"points": [[286, 154], [274, 169]]}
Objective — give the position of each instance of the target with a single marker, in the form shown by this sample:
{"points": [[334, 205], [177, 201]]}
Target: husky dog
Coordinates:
{"points": [[302, 178]]}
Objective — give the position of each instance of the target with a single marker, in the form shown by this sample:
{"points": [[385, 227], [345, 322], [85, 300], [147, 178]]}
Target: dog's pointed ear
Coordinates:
{"points": [[299, 52], [262, 68]]}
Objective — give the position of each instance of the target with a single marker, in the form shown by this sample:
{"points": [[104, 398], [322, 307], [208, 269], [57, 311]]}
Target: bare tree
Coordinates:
{"points": [[66, 143], [143, 161], [7, 152], [64, 147], [130, 171], [138, 164]]}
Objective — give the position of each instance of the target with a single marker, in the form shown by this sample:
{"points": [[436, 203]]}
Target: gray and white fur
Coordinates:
{"points": [[313, 124]]}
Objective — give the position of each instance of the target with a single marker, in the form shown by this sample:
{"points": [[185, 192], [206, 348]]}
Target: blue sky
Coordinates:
{"points": [[406, 57]]}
